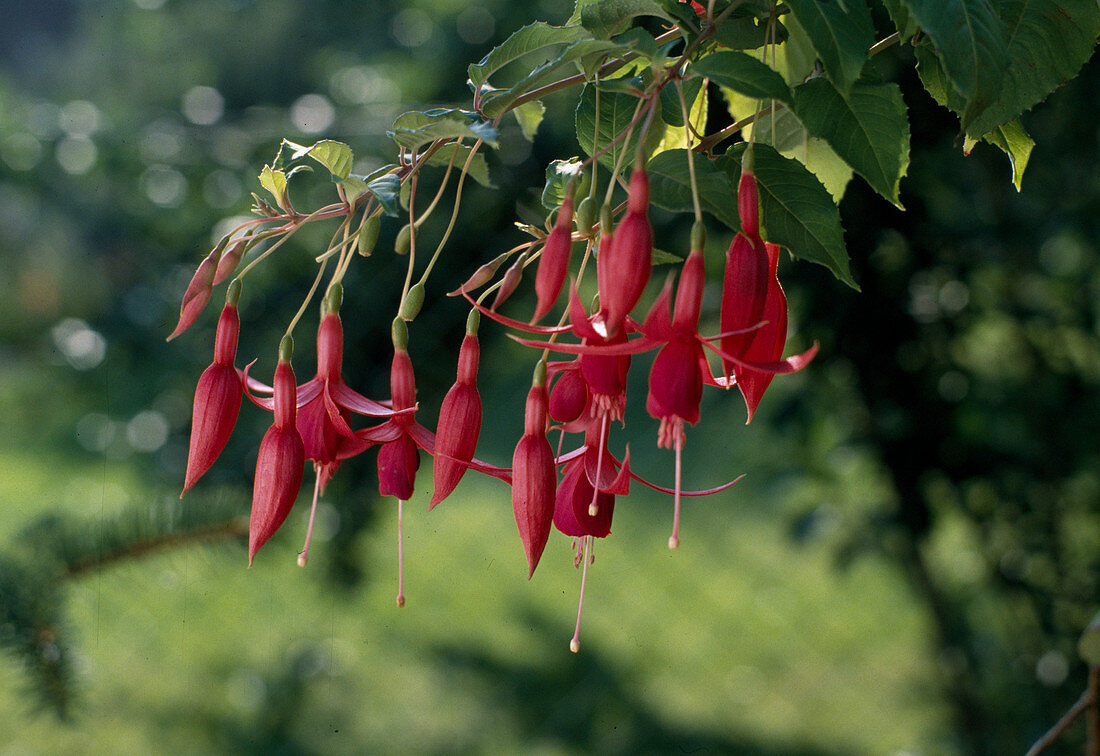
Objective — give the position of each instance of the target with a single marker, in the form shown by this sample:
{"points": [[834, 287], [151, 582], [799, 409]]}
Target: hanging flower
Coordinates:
{"points": [[534, 477]]}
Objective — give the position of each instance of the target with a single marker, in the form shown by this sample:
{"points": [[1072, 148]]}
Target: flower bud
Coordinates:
{"points": [[534, 479], [198, 293], [744, 291], [459, 424], [623, 268], [368, 234], [554, 262], [404, 240], [509, 283]]}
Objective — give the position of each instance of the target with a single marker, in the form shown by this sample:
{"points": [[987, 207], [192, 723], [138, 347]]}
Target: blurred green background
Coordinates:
{"points": [[905, 569]]}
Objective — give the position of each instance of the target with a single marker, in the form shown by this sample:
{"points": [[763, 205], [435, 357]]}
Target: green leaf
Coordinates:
{"points": [[532, 38], [616, 113], [275, 183], [743, 73], [386, 188], [841, 32], [416, 128], [796, 210], [1014, 142], [970, 41], [336, 156], [1048, 42], [676, 138], [869, 129], [353, 187], [478, 170], [606, 17], [748, 33], [660, 257], [558, 175], [671, 112], [899, 14], [670, 186]]}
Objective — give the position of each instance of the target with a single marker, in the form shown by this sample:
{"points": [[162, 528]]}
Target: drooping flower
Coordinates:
{"points": [[587, 477], [623, 264], [280, 460], [768, 342], [554, 262], [217, 396], [534, 475], [459, 419]]}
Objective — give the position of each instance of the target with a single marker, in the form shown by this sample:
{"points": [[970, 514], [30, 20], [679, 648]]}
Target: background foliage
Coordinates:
{"points": [[906, 567]]}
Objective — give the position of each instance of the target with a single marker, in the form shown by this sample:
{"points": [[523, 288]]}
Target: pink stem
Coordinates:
{"points": [[593, 508], [674, 539], [303, 557], [575, 643], [400, 558]]}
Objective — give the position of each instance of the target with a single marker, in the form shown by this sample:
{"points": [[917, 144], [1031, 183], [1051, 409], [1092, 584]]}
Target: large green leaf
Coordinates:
{"points": [[670, 186], [416, 128], [677, 138], [337, 157], [971, 42], [606, 17], [841, 32], [671, 111], [796, 210], [531, 38], [616, 111], [1013, 140], [747, 33], [743, 73], [899, 14], [869, 129], [1048, 42]]}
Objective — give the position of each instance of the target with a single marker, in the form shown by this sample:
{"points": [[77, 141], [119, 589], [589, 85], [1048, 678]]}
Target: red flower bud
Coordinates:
{"points": [[217, 401], [197, 294], [231, 258], [278, 465], [459, 424], [623, 267], [554, 262], [534, 479], [748, 199], [569, 396], [509, 283]]}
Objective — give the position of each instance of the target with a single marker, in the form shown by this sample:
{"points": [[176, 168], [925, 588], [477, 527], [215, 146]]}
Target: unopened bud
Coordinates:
{"points": [[473, 320], [698, 236], [481, 276], [286, 348], [586, 215], [404, 240], [368, 234], [333, 299], [233, 293], [414, 300], [399, 333], [509, 283]]}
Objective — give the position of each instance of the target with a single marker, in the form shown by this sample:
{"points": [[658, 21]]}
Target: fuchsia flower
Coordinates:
{"points": [[768, 341], [217, 396], [280, 460], [459, 419], [586, 479], [626, 258], [534, 477], [554, 262]]}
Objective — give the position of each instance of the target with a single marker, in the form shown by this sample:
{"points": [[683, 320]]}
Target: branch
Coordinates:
{"points": [[237, 527], [1084, 702]]}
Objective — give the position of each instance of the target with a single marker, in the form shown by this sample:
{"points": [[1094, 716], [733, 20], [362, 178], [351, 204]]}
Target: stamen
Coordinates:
{"points": [[674, 539], [575, 643], [400, 558], [303, 556], [577, 552], [593, 507]]}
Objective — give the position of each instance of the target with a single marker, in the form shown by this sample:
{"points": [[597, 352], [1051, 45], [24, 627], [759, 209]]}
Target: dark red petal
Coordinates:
{"points": [[213, 416], [675, 382], [456, 439], [569, 396], [398, 461], [744, 292]]}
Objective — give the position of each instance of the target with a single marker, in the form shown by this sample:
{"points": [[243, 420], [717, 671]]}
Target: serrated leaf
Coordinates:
{"points": [[606, 17], [671, 112], [743, 73], [748, 33], [1048, 42], [416, 128], [531, 38], [337, 157], [274, 181], [616, 113], [869, 129], [796, 210], [841, 32], [971, 43], [529, 116], [670, 186], [478, 170], [558, 175], [1013, 140]]}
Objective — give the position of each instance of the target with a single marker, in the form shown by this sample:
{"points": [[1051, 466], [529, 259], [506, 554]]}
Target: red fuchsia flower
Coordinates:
{"points": [[768, 341], [534, 477], [280, 460], [589, 476], [745, 284], [217, 396], [198, 292], [554, 262], [459, 419], [624, 262]]}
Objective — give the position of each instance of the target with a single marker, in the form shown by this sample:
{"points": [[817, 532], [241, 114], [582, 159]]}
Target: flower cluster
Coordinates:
{"points": [[584, 395]]}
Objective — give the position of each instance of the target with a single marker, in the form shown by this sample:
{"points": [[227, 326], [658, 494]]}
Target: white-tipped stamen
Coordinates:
{"points": [[400, 558], [674, 539], [594, 508], [303, 556], [575, 643]]}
